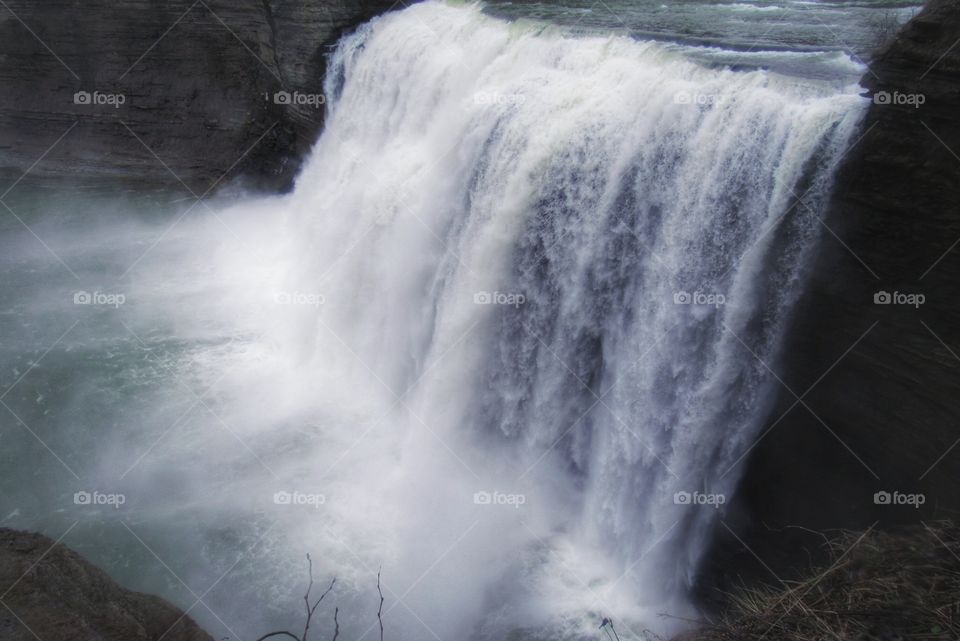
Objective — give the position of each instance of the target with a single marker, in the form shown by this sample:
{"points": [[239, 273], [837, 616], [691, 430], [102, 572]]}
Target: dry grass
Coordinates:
{"points": [[879, 586]]}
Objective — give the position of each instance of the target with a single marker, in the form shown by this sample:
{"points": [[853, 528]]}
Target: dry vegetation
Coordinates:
{"points": [[878, 586]]}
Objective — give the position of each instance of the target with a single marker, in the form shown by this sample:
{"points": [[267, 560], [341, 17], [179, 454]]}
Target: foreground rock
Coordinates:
{"points": [[166, 91], [51, 593]]}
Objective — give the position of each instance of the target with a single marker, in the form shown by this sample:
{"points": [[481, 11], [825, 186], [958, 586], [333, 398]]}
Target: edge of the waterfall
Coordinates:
{"points": [[802, 493]]}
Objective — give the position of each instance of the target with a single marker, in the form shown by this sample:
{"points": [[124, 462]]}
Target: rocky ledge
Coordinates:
{"points": [[192, 91], [51, 593]]}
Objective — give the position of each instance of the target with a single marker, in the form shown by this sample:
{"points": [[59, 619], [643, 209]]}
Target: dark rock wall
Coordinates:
{"points": [[883, 409], [50, 592], [197, 78]]}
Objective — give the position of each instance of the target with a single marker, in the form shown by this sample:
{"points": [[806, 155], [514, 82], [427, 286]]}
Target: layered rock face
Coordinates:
{"points": [[166, 91], [875, 350], [49, 592]]}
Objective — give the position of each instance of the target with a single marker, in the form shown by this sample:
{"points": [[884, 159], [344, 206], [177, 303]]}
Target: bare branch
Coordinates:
{"points": [[312, 608], [282, 633], [380, 608], [306, 598], [325, 593]]}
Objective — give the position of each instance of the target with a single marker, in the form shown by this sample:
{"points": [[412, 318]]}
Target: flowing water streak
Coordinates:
{"points": [[551, 267]]}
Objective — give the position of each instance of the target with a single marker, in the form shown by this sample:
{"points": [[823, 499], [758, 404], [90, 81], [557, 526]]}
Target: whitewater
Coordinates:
{"points": [[507, 340]]}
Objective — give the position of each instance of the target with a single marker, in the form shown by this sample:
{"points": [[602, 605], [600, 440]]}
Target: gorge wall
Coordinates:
{"points": [[196, 82], [876, 366]]}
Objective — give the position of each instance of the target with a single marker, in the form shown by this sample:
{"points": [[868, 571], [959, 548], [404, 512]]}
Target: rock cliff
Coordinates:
{"points": [[194, 91]]}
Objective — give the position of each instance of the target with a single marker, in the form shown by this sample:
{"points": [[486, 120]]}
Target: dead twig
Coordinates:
{"points": [[310, 610], [380, 608]]}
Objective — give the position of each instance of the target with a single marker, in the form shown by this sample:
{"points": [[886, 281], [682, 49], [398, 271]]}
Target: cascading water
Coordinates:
{"points": [[506, 339], [559, 264]]}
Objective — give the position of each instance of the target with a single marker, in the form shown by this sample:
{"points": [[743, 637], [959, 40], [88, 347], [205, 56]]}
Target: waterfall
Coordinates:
{"points": [[532, 282]]}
